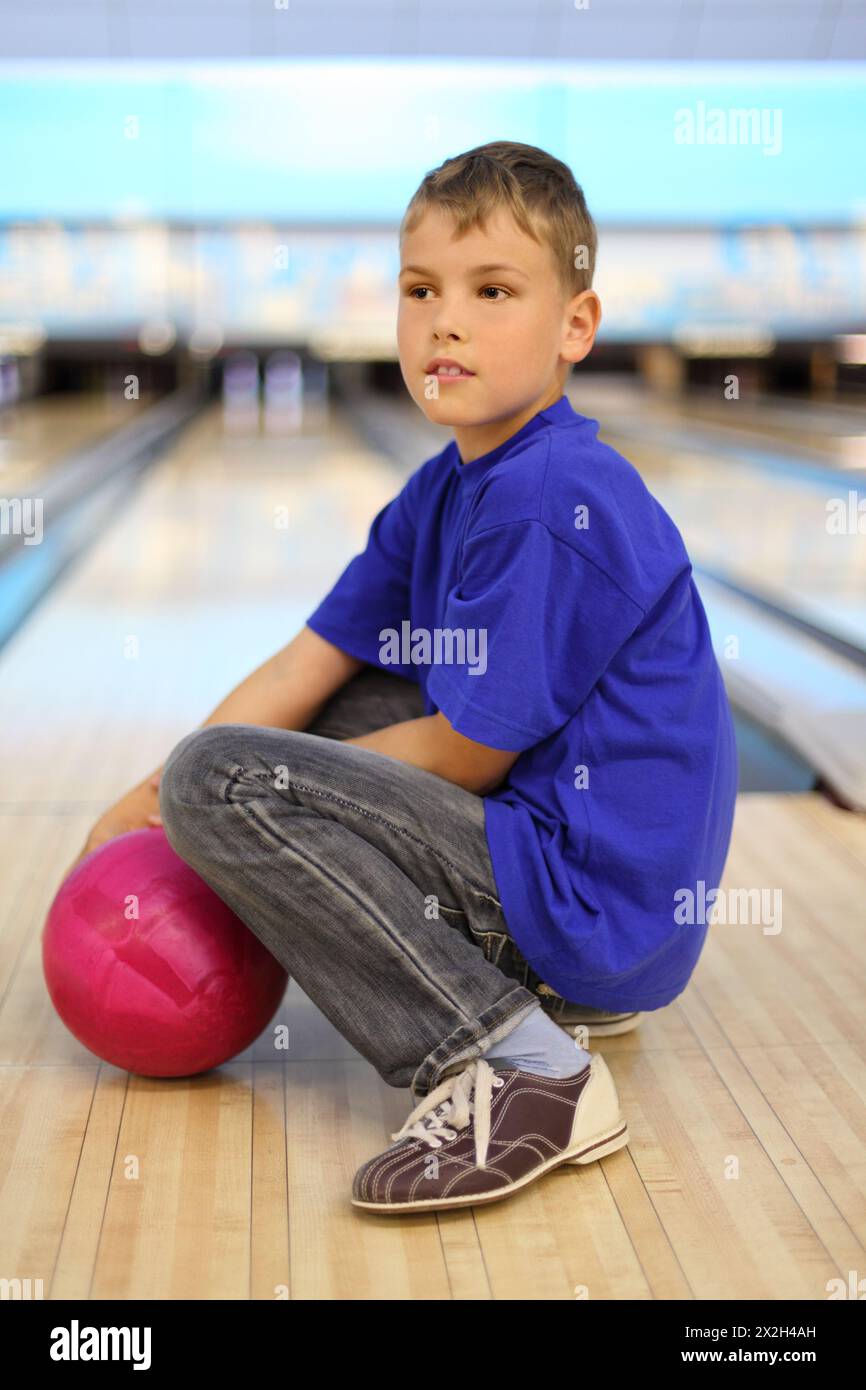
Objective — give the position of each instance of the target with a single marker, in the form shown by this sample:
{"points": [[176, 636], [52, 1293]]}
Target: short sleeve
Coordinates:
{"points": [[373, 591], [538, 624]]}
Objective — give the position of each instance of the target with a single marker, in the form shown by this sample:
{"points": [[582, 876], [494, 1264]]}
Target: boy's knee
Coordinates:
{"points": [[189, 770]]}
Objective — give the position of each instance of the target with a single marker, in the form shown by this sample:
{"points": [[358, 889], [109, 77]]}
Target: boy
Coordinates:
{"points": [[515, 747]]}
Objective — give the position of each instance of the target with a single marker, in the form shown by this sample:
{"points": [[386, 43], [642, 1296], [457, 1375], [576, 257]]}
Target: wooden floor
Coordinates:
{"points": [[745, 1176]]}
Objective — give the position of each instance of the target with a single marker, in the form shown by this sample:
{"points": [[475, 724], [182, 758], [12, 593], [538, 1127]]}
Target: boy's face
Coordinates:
{"points": [[512, 327]]}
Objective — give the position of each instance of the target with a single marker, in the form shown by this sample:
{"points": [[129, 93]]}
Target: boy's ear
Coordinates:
{"points": [[583, 319]]}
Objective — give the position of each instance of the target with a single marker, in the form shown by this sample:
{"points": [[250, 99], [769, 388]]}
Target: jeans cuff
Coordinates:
{"points": [[472, 1039]]}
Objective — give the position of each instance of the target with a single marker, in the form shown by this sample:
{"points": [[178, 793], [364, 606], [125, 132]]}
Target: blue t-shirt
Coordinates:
{"points": [[570, 630]]}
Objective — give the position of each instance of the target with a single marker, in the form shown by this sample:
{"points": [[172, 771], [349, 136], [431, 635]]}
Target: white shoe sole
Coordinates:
{"points": [[599, 1028]]}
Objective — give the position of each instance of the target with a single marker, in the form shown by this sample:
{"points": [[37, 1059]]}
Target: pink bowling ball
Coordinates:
{"points": [[149, 968]]}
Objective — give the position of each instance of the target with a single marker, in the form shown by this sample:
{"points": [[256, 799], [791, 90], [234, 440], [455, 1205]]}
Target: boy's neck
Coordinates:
{"points": [[473, 441]]}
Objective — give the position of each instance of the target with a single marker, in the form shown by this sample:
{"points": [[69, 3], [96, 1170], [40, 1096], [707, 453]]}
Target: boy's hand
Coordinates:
{"points": [[138, 810]]}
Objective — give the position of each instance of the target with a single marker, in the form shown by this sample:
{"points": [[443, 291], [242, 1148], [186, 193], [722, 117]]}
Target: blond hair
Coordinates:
{"points": [[541, 192]]}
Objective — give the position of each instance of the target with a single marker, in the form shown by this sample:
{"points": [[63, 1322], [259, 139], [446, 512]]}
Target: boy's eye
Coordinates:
{"points": [[497, 289]]}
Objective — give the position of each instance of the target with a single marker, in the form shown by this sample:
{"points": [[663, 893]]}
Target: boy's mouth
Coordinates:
{"points": [[447, 369]]}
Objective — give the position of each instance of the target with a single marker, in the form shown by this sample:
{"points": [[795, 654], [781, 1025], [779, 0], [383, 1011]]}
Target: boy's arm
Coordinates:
{"points": [[288, 690], [431, 743]]}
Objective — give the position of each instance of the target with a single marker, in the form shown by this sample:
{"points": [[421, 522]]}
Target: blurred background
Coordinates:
{"points": [[201, 408]]}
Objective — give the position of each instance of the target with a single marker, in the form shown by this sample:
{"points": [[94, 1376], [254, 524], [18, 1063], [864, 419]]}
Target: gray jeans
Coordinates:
{"points": [[368, 878]]}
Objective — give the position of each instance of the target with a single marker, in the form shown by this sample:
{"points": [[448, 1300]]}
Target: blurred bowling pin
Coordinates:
{"points": [[316, 390], [240, 393], [284, 393], [10, 381]]}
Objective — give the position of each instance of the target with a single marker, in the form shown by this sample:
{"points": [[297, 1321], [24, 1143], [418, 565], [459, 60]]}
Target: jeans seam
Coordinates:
{"points": [[388, 824]]}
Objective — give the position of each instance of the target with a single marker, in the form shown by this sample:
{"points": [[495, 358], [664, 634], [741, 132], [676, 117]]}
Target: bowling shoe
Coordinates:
{"points": [[598, 1023], [486, 1132]]}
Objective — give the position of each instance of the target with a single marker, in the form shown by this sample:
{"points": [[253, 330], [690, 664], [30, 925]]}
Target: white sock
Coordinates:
{"points": [[539, 1045]]}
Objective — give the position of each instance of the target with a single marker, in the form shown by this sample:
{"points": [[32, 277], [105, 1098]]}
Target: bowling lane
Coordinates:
{"points": [[229, 541], [820, 432], [790, 537], [37, 434]]}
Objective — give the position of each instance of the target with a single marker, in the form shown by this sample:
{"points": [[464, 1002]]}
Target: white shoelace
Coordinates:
{"points": [[450, 1106]]}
